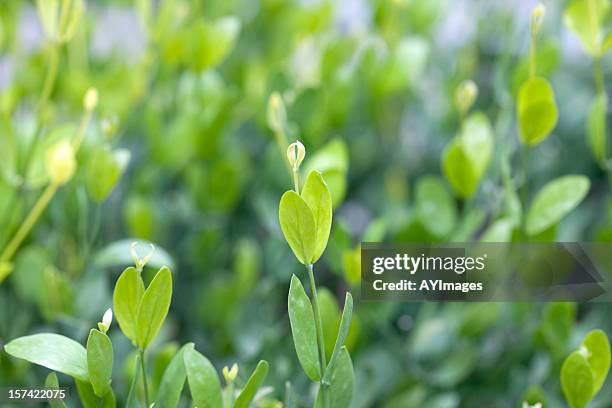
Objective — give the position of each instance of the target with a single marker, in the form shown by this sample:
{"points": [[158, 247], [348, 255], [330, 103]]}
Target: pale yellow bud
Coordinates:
{"points": [[295, 154], [60, 162], [537, 16], [90, 101], [107, 320], [139, 262], [466, 95], [230, 374], [277, 116]]}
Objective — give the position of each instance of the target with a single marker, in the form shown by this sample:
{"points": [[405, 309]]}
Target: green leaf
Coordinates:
{"points": [[467, 156], [203, 380], [252, 385], [318, 198], [554, 201], [56, 352], [332, 160], [154, 307], [298, 225], [214, 42], [458, 169], [128, 293], [596, 127], [303, 329], [52, 383], [345, 325], [90, 400], [104, 167], [341, 382], [585, 18], [607, 43], [577, 380], [173, 380], [598, 357], [536, 110], [99, 361], [435, 207]]}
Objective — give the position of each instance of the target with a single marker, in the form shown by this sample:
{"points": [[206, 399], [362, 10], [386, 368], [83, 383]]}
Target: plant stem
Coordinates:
{"points": [[144, 378], [29, 222], [532, 56], [525, 189], [296, 183], [320, 339]]}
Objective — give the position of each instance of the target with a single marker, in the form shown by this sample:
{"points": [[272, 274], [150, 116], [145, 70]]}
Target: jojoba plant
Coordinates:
{"points": [[140, 312], [305, 217]]}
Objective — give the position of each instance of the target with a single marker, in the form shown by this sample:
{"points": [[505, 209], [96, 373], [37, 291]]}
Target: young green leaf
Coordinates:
{"points": [[173, 380], [345, 324], [126, 299], [435, 206], [577, 380], [56, 352], [598, 356], [252, 385], [318, 198], [215, 41], [341, 382], [537, 111], [90, 400], [52, 383], [554, 201], [467, 156], [298, 225], [99, 361], [596, 127], [104, 168], [303, 329], [203, 380], [153, 308], [458, 169], [584, 18]]}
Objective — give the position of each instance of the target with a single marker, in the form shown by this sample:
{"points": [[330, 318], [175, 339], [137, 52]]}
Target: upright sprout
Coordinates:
{"points": [[305, 217]]}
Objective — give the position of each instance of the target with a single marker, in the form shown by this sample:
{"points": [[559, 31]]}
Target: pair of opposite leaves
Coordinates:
{"points": [[306, 218]]}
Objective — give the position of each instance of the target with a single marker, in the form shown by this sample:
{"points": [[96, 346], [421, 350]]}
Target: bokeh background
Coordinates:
{"points": [[368, 88]]}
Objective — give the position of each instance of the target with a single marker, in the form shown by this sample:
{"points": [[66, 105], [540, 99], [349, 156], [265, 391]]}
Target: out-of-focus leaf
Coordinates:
{"points": [[585, 18], [577, 380], [52, 383], [598, 356], [467, 156], [303, 329], [554, 201], [434, 206], [596, 127], [53, 351], [537, 111], [104, 167]]}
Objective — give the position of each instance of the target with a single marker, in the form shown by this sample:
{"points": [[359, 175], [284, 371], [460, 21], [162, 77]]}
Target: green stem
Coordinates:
{"points": [[296, 180], [532, 57], [29, 222], [320, 339], [525, 189], [144, 378]]}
